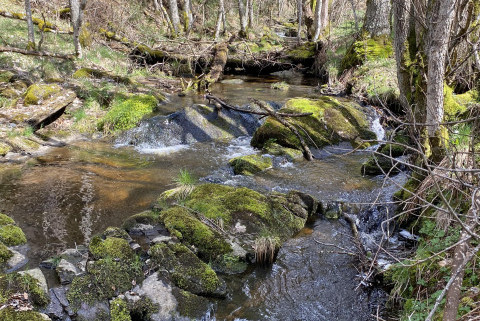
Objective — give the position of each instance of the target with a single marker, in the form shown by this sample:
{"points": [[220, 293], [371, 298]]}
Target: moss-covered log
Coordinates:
{"points": [[217, 67], [43, 25], [36, 53]]}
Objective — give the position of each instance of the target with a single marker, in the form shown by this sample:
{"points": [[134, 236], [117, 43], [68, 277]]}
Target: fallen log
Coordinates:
{"points": [[228, 106], [36, 53], [42, 24], [218, 65]]}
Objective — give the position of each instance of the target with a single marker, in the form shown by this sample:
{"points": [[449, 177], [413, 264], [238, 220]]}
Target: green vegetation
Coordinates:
{"points": [[10, 234], [119, 310], [126, 112], [280, 86], [184, 184], [14, 283]]}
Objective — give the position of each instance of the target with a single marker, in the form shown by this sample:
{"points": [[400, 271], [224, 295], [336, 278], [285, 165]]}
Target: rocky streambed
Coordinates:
{"points": [[247, 241]]}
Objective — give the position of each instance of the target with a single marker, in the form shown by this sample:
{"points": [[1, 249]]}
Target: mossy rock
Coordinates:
{"points": [[12, 235], [186, 227], [6, 76], [9, 314], [22, 283], [5, 254], [38, 92], [367, 49], [126, 113], [408, 189], [4, 149], [303, 52], [330, 123], [112, 247], [186, 270], [6, 220], [378, 165], [147, 217], [275, 149], [96, 73], [189, 305], [250, 164]]}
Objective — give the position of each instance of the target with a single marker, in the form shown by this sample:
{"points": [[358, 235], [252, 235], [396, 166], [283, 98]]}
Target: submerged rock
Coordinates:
{"points": [[331, 122], [275, 149], [250, 164], [198, 123]]}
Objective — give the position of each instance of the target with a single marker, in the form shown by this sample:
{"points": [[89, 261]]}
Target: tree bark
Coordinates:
{"points": [[324, 13], [221, 14], [377, 17], [188, 16], [174, 17], [31, 33], [76, 15], [243, 18], [318, 19], [299, 19], [250, 13], [439, 19]]}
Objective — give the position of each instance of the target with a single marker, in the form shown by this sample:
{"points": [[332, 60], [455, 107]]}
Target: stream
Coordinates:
{"points": [[64, 197]]}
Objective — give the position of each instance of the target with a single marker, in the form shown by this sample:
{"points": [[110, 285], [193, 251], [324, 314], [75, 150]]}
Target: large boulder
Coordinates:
{"points": [[250, 164], [197, 123], [331, 122]]}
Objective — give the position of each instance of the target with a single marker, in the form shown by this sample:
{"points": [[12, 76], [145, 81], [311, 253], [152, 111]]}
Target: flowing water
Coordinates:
{"points": [[67, 195]]}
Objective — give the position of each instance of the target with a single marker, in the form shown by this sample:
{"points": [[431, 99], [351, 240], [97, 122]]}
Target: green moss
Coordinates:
{"points": [[250, 164], [38, 92], [19, 283], [12, 235], [186, 270], [330, 123], [85, 37], [190, 305], [6, 76], [408, 189], [275, 149], [221, 202], [119, 310], [302, 52], [378, 165], [5, 254], [113, 247], [125, 114], [450, 105], [181, 223], [8, 314], [106, 278], [147, 217], [6, 220], [280, 86], [367, 49]]}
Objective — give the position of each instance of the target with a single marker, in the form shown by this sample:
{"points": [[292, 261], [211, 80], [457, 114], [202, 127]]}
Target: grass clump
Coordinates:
{"points": [[283, 86], [126, 113], [184, 184]]}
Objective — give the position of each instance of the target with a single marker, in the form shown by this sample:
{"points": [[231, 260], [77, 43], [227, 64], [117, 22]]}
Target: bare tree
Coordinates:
{"points": [[324, 13], [31, 33], [250, 13], [318, 19], [76, 15], [188, 15], [299, 19]]}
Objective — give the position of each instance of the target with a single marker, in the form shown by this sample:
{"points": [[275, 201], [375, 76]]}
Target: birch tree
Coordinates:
{"points": [[243, 18], [174, 17], [317, 20], [221, 18], [299, 19], [76, 15]]}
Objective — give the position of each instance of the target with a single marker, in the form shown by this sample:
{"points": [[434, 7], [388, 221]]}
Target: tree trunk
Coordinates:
{"points": [[377, 17], [300, 19], [221, 14], [243, 18], [318, 19], [31, 33], [401, 26], [355, 17], [439, 19], [76, 15], [188, 16], [174, 17], [250, 14], [324, 13]]}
